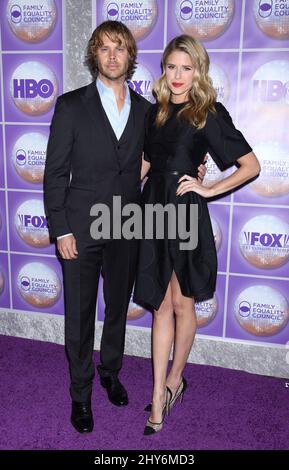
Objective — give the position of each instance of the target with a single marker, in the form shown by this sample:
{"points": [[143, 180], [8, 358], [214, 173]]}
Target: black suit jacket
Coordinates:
{"points": [[84, 162]]}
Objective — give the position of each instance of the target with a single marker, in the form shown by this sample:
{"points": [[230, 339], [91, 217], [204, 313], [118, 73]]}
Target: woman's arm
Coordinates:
{"points": [[145, 166], [249, 167]]}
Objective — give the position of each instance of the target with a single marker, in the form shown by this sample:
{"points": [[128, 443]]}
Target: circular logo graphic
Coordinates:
{"points": [[204, 20], [273, 180], [31, 20], [217, 233], [272, 17], [213, 174], [135, 311], [142, 82], [31, 224], [139, 17], [220, 82], [261, 310], [264, 241], [38, 284], [206, 311], [270, 89], [33, 88], [29, 155], [2, 282]]}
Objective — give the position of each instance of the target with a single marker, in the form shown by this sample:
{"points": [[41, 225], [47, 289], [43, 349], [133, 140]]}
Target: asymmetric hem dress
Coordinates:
{"points": [[175, 149]]}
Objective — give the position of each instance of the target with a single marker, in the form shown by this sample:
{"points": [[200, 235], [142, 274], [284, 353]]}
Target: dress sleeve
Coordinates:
{"points": [[225, 143]]}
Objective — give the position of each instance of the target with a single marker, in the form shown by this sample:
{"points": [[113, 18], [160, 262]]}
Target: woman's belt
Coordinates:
{"points": [[175, 172]]}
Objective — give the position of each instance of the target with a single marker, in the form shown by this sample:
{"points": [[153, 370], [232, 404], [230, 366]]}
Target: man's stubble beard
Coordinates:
{"points": [[114, 76]]}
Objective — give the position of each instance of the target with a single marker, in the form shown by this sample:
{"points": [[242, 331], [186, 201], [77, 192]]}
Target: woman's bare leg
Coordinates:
{"points": [[162, 341], [186, 325]]}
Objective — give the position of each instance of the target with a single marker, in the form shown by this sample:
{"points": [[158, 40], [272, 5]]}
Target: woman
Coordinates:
{"points": [[181, 127]]}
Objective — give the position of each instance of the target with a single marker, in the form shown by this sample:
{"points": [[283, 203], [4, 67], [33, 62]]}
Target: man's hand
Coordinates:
{"points": [[67, 247], [202, 170]]}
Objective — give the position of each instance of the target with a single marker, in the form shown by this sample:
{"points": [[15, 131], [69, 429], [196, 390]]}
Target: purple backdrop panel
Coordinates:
{"points": [[216, 24], [272, 185], [24, 28], [266, 23], [224, 73], [0, 92], [260, 241], [28, 225], [2, 178], [3, 224], [220, 223], [264, 112], [37, 284], [148, 70], [136, 315], [145, 19], [210, 314], [258, 310], [26, 154], [264, 105], [4, 281], [31, 85]]}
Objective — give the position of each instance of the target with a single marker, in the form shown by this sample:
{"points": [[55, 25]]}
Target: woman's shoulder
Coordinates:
{"points": [[219, 108], [151, 112], [220, 113]]}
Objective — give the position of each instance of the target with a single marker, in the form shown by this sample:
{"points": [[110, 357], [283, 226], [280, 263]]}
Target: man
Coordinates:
{"points": [[94, 153]]}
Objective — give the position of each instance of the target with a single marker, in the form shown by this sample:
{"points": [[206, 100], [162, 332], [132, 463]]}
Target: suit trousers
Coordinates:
{"points": [[116, 260]]}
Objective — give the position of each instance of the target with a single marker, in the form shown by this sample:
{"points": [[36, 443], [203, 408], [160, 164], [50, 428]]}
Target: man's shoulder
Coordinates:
{"points": [[141, 100], [73, 95]]}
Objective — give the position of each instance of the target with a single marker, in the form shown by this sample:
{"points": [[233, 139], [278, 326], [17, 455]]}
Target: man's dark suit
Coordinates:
{"points": [[82, 143]]}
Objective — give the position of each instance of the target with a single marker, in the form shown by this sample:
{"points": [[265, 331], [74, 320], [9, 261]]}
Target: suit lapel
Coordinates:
{"points": [[133, 127]]}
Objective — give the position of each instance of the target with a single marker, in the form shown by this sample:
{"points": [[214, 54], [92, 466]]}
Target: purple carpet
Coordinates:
{"points": [[222, 409]]}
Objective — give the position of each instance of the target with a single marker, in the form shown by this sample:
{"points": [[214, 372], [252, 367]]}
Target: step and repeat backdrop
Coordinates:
{"points": [[248, 44]]}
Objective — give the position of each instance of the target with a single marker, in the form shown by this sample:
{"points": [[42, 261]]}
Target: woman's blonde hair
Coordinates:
{"points": [[202, 95]]}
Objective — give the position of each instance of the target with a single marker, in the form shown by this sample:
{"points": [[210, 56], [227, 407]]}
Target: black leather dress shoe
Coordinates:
{"points": [[115, 390], [81, 417]]}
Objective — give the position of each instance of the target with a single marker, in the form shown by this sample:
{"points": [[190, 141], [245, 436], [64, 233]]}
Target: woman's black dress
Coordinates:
{"points": [[175, 149]]}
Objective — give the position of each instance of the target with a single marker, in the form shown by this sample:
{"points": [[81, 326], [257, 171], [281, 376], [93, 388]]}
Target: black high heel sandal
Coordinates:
{"points": [[179, 394], [152, 428]]}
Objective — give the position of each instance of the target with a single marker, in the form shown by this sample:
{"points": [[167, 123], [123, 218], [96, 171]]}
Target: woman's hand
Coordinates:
{"points": [[249, 167], [202, 170], [188, 183], [145, 166]]}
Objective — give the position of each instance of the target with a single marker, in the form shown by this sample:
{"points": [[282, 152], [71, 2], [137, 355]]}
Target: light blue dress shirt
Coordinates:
{"points": [[117, 119]]}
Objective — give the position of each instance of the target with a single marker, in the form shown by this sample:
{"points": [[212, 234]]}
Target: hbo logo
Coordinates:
{"points": [[30, 88], [270, 90]]}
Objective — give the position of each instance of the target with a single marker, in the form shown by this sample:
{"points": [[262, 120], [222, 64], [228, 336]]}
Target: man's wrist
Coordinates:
{"points": [[62, 236]]}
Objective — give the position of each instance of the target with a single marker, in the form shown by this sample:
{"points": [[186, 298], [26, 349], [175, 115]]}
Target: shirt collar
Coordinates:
{"points": [[104, 90]]}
